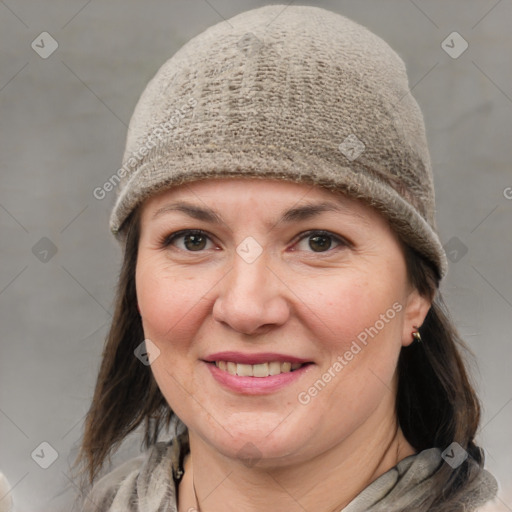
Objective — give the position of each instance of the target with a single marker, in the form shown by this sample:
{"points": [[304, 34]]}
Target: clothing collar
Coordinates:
{"points": [[402, 487], [144, 484]]}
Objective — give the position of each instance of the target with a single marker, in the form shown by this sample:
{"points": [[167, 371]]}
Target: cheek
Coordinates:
{"points": [[360, 333], [171, 308], [164, 300], [360, 336], [356, 308]]}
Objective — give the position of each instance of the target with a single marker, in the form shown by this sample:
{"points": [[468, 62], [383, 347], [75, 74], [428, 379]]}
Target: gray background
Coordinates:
{"points": [[63, 125]]}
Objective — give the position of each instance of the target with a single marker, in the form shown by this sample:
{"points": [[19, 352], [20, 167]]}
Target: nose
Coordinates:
{"points": [[251, 297]]}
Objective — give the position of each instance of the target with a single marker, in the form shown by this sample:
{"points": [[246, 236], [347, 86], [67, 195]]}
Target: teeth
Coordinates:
{"points": [[286, 367], [274, 368], [232, 368], [244, 370], [257, 370], [260, 370]]}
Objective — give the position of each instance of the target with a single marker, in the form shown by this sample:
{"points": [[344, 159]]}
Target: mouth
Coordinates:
{"points": [[256, 374], [261, 374], [259, 370]]}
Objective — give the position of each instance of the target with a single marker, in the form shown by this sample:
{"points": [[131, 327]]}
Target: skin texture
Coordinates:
{"points": [[300, 297]]}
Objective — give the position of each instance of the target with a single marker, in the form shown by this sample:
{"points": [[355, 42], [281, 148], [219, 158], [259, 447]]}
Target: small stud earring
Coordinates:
{"points": [[416, 335]]}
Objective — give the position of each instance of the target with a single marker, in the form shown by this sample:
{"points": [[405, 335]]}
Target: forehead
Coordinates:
{"points": [[226, 200], [248, 192]]}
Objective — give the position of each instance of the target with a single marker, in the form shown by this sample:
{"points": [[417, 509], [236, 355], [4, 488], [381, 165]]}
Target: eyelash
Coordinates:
{"points": [[167, 240]]}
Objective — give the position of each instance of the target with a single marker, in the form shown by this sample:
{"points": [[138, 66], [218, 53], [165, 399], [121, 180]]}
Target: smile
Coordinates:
{"points": [[256, 373], [257, 370]]}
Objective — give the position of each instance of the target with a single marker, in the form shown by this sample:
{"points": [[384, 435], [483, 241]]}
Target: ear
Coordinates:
{"points": [[416, 310]]}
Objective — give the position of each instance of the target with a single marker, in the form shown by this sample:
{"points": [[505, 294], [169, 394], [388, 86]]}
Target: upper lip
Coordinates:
{"points": [[265, 357]]}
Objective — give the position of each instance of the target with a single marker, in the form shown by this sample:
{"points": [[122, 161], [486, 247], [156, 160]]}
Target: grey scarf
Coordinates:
{"points": [[144, 484]]}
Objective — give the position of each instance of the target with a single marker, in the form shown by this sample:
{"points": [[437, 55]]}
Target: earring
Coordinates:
{"points": [[416, 335]]}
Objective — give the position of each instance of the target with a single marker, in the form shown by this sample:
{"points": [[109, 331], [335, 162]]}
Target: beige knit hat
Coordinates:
{"points": [[296, 93]]}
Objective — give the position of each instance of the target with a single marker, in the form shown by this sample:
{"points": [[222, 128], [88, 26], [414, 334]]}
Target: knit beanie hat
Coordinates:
{"points": [[296, 93]]}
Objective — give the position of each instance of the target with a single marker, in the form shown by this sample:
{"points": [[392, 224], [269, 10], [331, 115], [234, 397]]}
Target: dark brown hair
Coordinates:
{"points": [[436, 403]]}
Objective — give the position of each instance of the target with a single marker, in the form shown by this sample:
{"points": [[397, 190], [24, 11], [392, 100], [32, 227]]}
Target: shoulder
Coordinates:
{"points": [[141, 483]]}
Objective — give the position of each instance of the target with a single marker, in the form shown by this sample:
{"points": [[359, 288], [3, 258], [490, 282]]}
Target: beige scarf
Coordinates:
{"points": [[143, 484]]}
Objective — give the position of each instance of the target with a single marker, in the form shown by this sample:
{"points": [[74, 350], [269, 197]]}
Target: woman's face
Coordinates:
{"points": [[302, 288]]}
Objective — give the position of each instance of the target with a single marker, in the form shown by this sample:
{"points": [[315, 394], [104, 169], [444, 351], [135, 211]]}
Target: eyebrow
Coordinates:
{"points": [[296, 214]]}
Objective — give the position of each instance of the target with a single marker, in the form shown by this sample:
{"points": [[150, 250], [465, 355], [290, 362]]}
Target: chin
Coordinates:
{"points": [[261, 444]]}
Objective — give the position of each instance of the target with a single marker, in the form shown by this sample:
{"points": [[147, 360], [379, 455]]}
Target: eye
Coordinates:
{"points": [[321, 241], [194, 240]]}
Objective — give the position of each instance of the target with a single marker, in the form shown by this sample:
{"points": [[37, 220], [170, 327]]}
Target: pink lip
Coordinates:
{"points": [[255, 385], [266, 357]]}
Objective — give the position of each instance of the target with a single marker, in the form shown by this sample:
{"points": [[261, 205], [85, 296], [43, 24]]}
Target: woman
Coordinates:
{"points": [[279, 302]]}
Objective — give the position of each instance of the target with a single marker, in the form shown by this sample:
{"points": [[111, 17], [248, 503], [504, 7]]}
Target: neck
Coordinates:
{"points": [[330, 481]]}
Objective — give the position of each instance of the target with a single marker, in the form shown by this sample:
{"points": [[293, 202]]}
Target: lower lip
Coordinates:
{"points": [[256, 385]]}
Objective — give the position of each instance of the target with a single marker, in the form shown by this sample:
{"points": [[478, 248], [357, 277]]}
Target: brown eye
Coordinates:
{"points": [[193, 240], [321, 241]]}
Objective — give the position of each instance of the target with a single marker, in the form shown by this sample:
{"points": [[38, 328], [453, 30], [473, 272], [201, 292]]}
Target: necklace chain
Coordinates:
{"points": [[197, 509]]}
